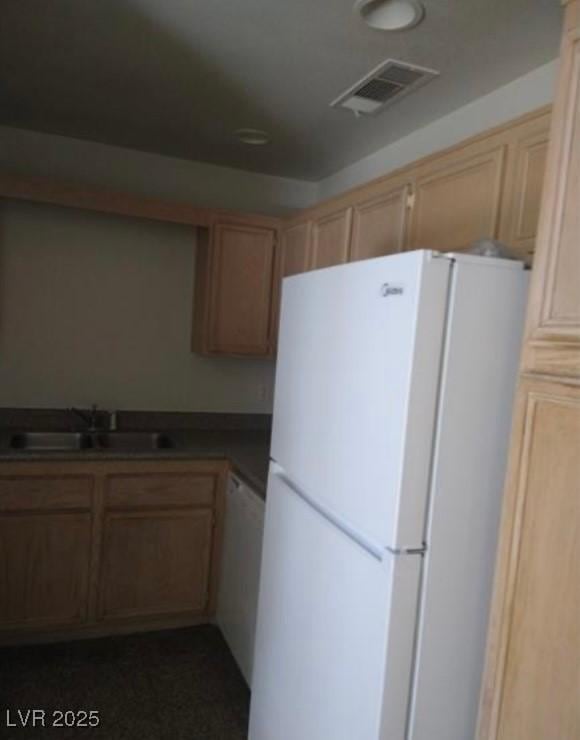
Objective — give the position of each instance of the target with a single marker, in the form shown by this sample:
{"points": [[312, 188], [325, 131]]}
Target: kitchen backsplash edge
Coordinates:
{"points": [[65, 420]]}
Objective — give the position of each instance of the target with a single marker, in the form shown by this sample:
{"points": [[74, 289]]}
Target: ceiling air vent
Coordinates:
{"points": [[388, 82]]}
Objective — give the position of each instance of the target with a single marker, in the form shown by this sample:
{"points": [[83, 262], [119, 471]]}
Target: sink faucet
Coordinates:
{"points": [[91, 418]]}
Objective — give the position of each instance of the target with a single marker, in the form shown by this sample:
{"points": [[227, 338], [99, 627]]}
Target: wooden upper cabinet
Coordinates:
{"points": [[555, 290], [523, 189], [235, 290], [331, 238], [295, 257], [457, 198], [378, 226]]}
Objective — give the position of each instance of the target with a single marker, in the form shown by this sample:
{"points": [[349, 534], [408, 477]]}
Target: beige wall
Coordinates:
{"points": [[95, 308]]}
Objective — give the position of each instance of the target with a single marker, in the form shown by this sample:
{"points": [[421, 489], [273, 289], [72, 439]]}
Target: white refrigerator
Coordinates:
{"points": [[392, 408]]}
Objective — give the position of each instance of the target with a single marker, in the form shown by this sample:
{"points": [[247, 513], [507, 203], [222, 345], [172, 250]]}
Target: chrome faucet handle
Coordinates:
{"points": [[112, 421], [90, 419]]}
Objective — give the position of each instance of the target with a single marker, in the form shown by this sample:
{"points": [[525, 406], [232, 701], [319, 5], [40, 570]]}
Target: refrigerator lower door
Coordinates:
{"points": [[335, 632]]}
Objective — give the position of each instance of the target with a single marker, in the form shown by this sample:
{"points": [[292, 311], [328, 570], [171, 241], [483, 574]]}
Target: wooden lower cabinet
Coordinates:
{"points": [[44, 568], [45, 549], [101, 547], [155, 562]]}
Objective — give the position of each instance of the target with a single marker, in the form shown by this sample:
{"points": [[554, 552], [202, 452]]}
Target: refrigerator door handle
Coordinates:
{"points": [[372, 548], [407, 550]]}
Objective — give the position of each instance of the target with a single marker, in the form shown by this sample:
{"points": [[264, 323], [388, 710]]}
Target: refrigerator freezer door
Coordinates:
{"points": [[335, 631], [356, 387]]}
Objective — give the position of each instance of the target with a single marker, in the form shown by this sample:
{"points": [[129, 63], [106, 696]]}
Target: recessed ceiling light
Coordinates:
{"points": [[253, 136], [390, 15]]}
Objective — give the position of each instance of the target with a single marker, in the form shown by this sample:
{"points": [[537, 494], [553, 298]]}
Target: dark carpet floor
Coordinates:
{"points": [[176, 685]]}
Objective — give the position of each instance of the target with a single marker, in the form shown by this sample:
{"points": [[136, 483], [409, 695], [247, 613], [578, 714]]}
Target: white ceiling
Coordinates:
{"points": [[177, 77]]}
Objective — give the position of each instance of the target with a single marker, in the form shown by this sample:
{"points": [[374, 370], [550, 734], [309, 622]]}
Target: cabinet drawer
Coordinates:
{"points": [[167, 489], [40, 492]]}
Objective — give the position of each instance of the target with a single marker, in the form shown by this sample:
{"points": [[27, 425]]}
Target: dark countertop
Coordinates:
{"points": [[247, 449]]}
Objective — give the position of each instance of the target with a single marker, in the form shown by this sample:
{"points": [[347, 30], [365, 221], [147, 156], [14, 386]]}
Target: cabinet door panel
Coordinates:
{"points": [[295, 258], [532, 165], [457, 200], [563, 299], [331, 239], [524, 186], [541, 669], [555, 291], [155, 562], [44, 569], [379, 225], [241, 274], [296, 249]]}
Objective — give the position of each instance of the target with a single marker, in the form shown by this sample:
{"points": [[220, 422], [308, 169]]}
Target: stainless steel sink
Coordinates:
{"points": [[51, 441], [134, 441], [78, 441]]}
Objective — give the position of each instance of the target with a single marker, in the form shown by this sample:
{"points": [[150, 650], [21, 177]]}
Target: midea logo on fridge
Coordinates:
{"points": [[388, 289]]}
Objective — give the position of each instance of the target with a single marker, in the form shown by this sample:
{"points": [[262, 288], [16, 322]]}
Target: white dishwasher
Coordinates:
{"points": [[240, 571]]}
